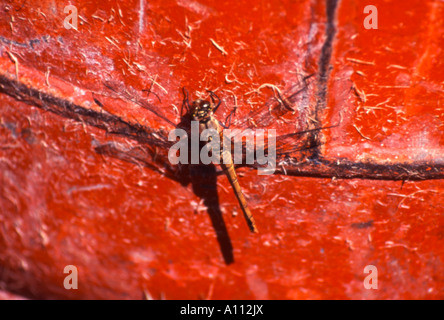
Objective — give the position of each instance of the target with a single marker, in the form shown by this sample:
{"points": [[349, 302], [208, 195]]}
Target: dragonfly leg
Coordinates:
{"points": [[149, 92], [185, 102], [284, 101], [213, 95], [228, 118]]}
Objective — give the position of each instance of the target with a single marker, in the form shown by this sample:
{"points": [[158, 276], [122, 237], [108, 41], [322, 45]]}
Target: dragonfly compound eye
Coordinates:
{"points": [[205, 105]]}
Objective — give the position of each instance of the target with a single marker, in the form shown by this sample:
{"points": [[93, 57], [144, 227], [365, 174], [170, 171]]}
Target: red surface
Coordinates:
{"points": [[134, 233]]}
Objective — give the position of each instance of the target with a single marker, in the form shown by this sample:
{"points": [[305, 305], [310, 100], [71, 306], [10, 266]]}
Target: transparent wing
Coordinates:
{"points": [[282, 106], [294, 146], [281, 113], [142, 133], [130, 94], [145, 155]]}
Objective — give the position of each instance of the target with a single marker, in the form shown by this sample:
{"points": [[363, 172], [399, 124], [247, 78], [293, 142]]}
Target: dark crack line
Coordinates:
{"points": [[324, 72], [346, 169], [102, 120]]}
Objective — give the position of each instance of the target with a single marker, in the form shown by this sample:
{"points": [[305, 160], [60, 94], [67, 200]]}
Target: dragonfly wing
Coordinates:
{"points": [[130, 94], [295, 146], [282, 106], [147, 156]]}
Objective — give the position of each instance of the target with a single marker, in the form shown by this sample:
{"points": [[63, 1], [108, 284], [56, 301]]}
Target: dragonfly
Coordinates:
{"points": [[203, 111], [156, 144]]}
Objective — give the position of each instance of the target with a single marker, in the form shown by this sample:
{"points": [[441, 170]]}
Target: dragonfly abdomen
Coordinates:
{"points": [[228, 167]]}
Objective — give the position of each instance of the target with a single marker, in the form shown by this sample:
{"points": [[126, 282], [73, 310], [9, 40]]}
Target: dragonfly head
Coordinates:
{"points": [[201, 110]]}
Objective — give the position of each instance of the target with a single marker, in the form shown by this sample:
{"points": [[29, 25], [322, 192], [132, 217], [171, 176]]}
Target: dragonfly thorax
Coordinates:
{"points": [[201, 110]]}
